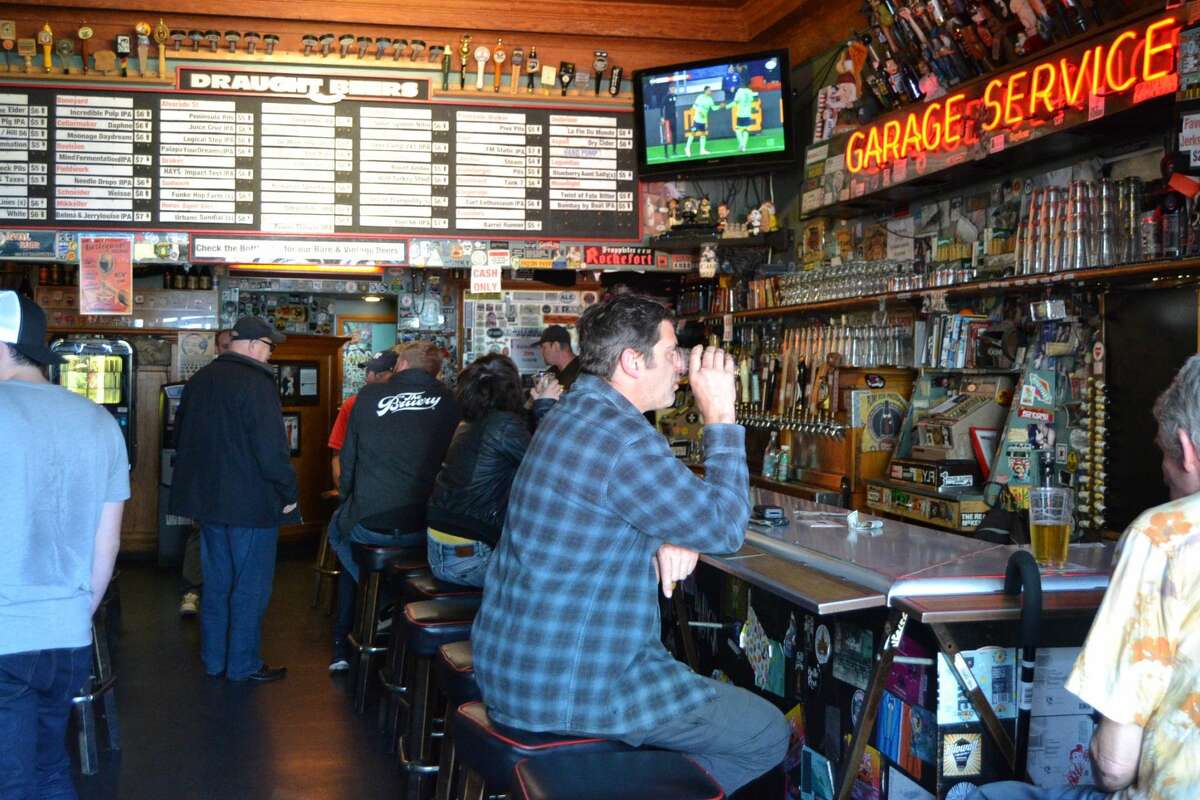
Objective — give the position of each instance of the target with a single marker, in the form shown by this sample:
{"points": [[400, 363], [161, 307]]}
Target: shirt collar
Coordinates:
{"points": [[588, 383], [238, 358]]}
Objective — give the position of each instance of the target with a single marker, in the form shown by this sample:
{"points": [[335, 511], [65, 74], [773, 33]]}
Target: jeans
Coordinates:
{"points": [[1015, 790], [735, 737], [343, 623], [447, 564], [36, 688], [239, 567]]}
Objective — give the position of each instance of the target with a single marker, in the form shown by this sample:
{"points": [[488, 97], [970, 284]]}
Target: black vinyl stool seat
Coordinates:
{"points": [[454, 670], [636, 775], [397, 574], [492, 751], [372, 560], [428, 587]]}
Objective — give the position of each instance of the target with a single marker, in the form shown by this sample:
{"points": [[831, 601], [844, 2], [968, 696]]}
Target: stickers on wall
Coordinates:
{"points": [[868, 783], [816, 776], [823, 645], [902, 787], [852, 655], [962, 754]]}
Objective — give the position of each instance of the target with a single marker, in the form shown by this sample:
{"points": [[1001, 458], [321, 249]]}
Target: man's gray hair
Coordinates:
{"points": [[1178, 408]]}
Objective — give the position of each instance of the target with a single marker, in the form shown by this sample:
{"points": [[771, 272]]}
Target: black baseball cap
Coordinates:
{"points": [[555, 333], [382, 362], [255, 328], [23, 325]]}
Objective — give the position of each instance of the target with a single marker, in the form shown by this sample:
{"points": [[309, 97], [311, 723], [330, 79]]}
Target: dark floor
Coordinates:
{"points": [[189, 736]]}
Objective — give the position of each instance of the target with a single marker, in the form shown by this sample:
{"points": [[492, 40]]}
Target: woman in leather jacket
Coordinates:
{"points": [[470, 496]]}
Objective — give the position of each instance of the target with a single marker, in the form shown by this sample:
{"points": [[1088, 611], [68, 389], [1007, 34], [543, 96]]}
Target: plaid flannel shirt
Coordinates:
{"points": [[568, 636]]}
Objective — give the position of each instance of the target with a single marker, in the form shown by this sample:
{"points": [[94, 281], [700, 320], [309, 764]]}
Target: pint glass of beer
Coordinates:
{"points": [[1050, 525]]}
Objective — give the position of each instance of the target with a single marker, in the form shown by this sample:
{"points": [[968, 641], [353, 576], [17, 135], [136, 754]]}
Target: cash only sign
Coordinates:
{"points": [[1131, 65]]}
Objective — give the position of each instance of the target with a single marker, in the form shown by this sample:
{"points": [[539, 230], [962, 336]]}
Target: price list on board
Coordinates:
{"points": [[23, 151], [208, 161]]}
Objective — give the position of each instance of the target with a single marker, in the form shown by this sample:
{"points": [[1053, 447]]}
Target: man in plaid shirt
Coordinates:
{"points": [[600, 514]]}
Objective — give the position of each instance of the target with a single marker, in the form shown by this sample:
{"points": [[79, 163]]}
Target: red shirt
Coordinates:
{"points": [[337, 437]]}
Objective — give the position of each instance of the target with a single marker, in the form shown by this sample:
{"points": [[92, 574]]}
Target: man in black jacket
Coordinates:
{"points": [[233, 475], [398, 433]]}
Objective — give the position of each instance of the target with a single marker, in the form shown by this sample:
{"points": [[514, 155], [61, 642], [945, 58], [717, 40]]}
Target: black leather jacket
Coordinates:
{"points": [[470, 495]]}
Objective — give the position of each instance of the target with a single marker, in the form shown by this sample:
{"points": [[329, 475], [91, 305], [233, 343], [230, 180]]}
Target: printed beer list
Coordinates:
{"points": [[22, 134], [307, 168], [101, 137], [493, 167], [200, 142], [403, 169], [583, 164]]}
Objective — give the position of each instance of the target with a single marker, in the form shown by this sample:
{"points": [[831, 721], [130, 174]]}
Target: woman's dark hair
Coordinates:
{"points": [[608, 328], [490, 382]]}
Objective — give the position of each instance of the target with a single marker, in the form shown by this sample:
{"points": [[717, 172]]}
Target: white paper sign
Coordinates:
{"points": [[900, 239]]}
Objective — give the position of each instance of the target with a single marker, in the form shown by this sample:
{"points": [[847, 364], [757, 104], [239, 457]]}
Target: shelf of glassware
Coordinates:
{"points": [[1175, 269]]}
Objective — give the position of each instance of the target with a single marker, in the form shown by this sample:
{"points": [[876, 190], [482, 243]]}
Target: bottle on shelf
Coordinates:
{"points": [[770, 464], [783, 469], [179, 277], [193, 278], [206, 278]]}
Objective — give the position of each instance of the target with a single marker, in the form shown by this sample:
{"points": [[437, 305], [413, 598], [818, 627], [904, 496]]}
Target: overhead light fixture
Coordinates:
{"points": [[372, 298]]}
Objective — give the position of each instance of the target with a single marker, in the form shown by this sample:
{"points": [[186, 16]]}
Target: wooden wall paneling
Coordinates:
{"points": [[813, 28], [312, 465], [139, 526], [571, 38]]}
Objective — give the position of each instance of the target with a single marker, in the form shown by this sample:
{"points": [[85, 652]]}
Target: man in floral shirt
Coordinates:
{"points": [[1140, 666]]}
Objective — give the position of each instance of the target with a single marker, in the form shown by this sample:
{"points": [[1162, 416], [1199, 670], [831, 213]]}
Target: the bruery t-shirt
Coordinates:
{"points": [[64, 458]]}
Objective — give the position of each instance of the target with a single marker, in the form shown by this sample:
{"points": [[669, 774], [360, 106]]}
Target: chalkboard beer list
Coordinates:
{"points": [[243, 163], [23, 138], [104, 159], [404, 169], [200, 144], [494, 169]]}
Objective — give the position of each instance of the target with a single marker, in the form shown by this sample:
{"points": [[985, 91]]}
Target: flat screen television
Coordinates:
{"points": [[716, 116]]}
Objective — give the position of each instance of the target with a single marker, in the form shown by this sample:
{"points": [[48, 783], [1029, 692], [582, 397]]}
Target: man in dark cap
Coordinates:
{"points": [[555, 345], [233, 475], [380, 367], [66, 479]]}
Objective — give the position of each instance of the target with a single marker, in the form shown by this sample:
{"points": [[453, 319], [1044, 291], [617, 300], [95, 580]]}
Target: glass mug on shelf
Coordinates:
{"points": [[1050, 525]]}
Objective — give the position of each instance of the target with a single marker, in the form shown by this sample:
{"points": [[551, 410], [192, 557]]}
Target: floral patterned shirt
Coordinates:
{"points": [[1141, 661]]}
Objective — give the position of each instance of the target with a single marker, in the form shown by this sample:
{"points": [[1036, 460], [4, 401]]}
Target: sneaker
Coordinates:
{"points": [[341, 660], [190, 604]]}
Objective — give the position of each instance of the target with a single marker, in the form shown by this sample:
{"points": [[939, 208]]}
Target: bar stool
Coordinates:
{"points": [[490, 751], [454, 670], [364, 640], [411, 586], [636, 775], [428, 625], [326, 568], [99, 686]]}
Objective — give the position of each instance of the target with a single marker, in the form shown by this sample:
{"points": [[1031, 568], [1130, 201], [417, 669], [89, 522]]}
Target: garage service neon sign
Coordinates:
{"points": [[1140, 60]]}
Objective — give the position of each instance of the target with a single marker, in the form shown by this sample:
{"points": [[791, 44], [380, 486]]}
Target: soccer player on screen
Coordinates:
{"points": [[701, 106], [743, 115], [666, 123]]}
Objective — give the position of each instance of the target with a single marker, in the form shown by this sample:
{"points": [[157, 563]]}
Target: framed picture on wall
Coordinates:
{"points": [[299, 382], [291, 426]]}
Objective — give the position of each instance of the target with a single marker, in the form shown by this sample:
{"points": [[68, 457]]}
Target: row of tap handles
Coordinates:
{"points": [[817, 424]]}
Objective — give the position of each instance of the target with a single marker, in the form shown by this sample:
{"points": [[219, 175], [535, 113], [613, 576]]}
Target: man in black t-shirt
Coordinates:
{"points": [[555, 345]]}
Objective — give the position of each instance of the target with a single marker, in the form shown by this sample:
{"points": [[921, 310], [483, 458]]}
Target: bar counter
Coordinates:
{"points": [[852, 608]]}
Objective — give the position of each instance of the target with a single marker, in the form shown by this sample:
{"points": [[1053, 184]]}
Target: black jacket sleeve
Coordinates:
{"points": [[270, 444]]}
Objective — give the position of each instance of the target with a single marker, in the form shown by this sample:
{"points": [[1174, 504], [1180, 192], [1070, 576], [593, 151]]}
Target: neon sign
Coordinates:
{"points": [[1139, 60]]}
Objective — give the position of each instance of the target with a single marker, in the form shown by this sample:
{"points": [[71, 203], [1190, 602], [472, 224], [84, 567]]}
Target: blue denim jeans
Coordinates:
{"points": [[239, 567], [1015, 790], [35, 701], [447, 565]]}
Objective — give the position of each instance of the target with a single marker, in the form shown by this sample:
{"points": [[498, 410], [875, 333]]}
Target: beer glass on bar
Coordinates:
{"points": [[1050, 525]]}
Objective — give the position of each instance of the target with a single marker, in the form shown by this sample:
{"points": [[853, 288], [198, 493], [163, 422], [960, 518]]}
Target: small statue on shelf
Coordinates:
{"points": [[691, 207], [754, 222], [722, 216], [767, 216], [704, 215], [673, 220]]}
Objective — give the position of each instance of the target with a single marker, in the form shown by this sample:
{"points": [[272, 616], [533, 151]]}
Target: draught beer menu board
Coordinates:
{"points": [[205, 162]]}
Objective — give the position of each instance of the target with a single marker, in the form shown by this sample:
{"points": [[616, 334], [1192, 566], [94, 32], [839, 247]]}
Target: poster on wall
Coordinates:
{"points": [[105, 275]]}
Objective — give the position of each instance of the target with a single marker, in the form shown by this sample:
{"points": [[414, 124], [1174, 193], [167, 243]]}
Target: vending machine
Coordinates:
{"points": [[101, 370]]}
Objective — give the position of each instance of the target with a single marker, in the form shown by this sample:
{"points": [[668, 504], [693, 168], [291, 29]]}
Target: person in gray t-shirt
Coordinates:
{"points": [[66, 482]]}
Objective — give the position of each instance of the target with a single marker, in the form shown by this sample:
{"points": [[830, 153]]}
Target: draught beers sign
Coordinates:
{"points": [[1135, 64], [325, 89], [105, 275]]}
